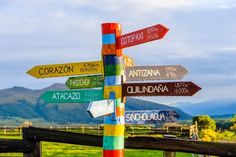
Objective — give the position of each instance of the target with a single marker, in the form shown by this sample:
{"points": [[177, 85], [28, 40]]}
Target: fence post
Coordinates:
{"points": [[168, 153], [5, 130], [82, 129], [37, 151]]}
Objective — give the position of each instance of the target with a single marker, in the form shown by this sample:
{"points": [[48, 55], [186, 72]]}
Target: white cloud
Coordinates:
{"points": [[34, 32]]}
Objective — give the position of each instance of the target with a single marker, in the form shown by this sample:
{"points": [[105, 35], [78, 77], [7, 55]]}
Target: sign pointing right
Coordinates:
{"points": [[160, 89], [142, 36], [167, 72]]}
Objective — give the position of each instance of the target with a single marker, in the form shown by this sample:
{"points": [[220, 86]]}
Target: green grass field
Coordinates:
{"points": [[68, 150], [50, 149]]}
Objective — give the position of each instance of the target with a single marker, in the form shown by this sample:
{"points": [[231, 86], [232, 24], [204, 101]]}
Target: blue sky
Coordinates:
{"points": [[201, 38]]}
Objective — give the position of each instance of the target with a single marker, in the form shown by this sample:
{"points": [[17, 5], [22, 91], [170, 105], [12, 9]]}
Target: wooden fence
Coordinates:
{"points": [[184, 130], [30, 145]]}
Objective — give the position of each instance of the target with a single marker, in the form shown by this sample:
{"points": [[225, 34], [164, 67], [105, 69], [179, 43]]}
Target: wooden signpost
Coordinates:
{"points": [[160, 89], [111, 74], [66, 69], [72, 96], [92, 81], [167, 72], [150, 116], [101, 108], [141, 36]]}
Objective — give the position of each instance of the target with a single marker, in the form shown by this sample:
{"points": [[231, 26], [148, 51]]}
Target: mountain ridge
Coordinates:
{"points": [[210, 107], [20, 102]]}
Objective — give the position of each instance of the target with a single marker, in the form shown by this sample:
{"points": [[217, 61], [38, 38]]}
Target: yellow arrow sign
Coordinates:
{"points": [[66, 69]]}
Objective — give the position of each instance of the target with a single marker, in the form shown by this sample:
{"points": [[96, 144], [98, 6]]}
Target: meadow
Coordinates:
{"points": [[51, 149]]}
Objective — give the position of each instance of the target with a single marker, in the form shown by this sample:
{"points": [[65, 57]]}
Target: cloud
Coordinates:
{"points": [[201, 37]]}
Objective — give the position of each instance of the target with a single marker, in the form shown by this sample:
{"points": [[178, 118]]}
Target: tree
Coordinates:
{"points": [[206, 127], [233, 121], [205, 122]]}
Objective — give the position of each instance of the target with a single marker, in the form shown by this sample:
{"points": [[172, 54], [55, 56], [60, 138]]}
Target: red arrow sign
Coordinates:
{"points": [[160, 89], [141, 36]]}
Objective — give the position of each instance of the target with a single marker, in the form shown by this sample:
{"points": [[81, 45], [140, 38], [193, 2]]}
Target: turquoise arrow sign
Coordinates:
{"points": [[72, 96]]}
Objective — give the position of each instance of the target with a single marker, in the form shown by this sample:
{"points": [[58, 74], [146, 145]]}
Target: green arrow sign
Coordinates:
{"points": [[72, 96], [85, 82]]}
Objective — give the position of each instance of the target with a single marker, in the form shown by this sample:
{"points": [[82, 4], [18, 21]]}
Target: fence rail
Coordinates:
{"points": [[98, 130], [30, 144]]}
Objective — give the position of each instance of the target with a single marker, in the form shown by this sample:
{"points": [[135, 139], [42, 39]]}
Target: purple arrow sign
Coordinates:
{"points": [[150, 116]]}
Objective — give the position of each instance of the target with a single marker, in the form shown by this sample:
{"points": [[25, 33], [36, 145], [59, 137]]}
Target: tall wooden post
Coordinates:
{"points": [[113, 138]]}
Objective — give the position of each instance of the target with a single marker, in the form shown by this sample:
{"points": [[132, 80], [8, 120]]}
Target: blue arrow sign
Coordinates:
{"points": [[150, 116]]}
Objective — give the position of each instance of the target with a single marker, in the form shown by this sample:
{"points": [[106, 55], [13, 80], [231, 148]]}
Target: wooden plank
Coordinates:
{"points": [[38, 134], [37, 152], [80, 82], [15, 145], [150, 116], [101, 108], [72, 96], [66, 69], [141, 36], [160, 89], [166, 72], [198, 147]]}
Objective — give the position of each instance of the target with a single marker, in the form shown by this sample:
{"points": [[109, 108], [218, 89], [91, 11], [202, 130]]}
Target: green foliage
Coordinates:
{"points": [[208, 135], [233, 120], [205, 122], [223, 124], [226, 136]]}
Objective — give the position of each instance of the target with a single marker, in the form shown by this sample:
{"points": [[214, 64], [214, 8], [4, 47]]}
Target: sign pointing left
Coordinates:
{"points": [[66, 69], [72, 96], [101, 108]]}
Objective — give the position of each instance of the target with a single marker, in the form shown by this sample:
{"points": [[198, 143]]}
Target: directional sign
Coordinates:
{"points": [[72, 96], [141, 36], [66, 69], [168, 72], [85, 82], [101, 108], [160, 89], [150, 116]]}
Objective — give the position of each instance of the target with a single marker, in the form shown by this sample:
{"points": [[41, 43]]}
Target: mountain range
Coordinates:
{"points": [[19, 103], [214, 108]]}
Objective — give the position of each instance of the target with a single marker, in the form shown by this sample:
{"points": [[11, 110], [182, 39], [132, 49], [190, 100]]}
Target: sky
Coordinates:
{"points": [[201, 38]]}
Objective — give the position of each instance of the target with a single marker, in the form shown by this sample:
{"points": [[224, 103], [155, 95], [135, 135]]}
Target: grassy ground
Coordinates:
{"points": [[67, 150], [51, 149]]}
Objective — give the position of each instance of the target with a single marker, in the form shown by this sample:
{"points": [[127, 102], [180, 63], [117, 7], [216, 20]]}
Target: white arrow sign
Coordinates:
{"points": [[100, 108]]}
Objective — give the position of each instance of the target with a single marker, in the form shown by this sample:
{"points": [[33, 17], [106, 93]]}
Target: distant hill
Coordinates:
{"points": [[21, 103], [213, 107]]}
